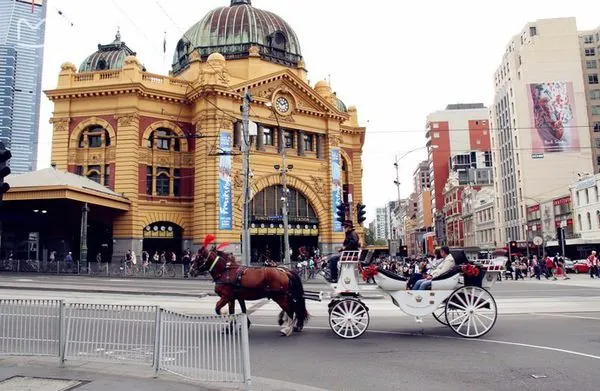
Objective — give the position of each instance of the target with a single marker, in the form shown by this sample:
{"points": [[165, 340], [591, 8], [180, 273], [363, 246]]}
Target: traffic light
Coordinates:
{"points": [[360, 213], [341, 212], [5, 155]]}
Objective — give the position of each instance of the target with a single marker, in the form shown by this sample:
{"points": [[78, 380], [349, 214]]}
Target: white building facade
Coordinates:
{"points": [[381, 224], [589, 42], [484, 219], [540, 138], [585, 198]]}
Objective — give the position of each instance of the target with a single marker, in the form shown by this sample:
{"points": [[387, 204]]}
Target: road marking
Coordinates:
{"points": [[569, 316], [509, 343]]}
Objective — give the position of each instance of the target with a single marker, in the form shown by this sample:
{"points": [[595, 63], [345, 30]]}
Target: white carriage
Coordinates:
{"points": [[470, 311]]}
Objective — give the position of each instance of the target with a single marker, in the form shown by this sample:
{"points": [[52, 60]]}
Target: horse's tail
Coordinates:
{"points": [[296, 299]]}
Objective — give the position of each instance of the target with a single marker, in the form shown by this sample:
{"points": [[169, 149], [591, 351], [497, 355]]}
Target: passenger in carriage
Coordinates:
{"points": [[351, 243], [445, 266]]}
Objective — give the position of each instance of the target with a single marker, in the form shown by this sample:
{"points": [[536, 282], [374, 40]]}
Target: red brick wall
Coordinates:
{"points": [[440, 158]]}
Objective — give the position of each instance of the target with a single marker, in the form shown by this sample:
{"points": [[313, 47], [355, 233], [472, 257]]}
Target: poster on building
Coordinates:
{"points": [[225, 184], [336, 187], [553, 120]]}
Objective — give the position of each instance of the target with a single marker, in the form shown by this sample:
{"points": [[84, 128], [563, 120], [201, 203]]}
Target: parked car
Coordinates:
{"points": [[581, 266], [569, 264]]}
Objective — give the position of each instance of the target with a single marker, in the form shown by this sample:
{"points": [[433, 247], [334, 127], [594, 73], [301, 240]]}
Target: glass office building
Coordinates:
{"points": [[22, 28]]}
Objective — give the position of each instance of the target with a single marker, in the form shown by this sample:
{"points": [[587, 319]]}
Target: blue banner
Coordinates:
{"points": [[225, 184], [336, 187]]}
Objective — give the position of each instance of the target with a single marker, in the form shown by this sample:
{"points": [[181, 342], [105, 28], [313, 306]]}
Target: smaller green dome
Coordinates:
{"points": [[107, 57], [341, 106]]}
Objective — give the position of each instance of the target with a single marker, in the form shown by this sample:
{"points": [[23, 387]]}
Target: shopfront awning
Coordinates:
{"points": [[49, 184]]}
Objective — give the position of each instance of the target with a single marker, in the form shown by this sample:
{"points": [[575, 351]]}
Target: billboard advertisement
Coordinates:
{"points": [[225, 184], [553, 120], [336, 187]]}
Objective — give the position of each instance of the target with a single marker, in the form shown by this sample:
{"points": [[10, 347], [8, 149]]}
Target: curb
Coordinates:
{"points": [[106, 291]]}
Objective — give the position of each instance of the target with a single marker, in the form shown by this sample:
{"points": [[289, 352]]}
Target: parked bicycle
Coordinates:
{"points": [[165, 269]]}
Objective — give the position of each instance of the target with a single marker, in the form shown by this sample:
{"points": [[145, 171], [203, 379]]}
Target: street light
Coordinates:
{"points": [[285, 198]]}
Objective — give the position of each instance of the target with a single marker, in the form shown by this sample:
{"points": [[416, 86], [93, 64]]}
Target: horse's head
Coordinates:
{"points": [[207, 256]]}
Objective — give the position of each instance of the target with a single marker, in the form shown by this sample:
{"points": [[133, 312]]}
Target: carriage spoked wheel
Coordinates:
{"points": [[471, 311], [440, 314], [349, 318]]}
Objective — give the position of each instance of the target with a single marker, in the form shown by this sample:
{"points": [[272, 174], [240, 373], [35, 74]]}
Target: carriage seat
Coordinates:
{"points": [[450, 273], [391, 275]]}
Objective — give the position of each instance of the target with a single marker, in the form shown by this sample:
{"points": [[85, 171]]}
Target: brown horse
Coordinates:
{"points": [[236, 282]]}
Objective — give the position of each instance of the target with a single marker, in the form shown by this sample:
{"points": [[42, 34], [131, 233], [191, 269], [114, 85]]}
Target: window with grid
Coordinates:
{"points": [[94, 173], [308, 142], [267, 136], [162, 182], [590, 52], [588, 39], [106, 175], [149, 176], [593, 78], [591, 64], [595, 94], [288, 139], [270, 201], [259, 204], [595, 110]]}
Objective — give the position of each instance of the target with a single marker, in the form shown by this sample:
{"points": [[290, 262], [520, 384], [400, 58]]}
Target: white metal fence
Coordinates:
{"points": [[201, 348], [30, 327], [205, 348]]}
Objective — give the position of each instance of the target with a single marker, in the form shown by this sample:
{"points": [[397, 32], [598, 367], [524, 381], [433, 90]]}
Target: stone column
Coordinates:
{"points": [[127, 229], [260, 138], [300, 143]]}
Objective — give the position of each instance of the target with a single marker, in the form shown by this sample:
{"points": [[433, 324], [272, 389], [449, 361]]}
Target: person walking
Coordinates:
{"points": [[592, 262]]}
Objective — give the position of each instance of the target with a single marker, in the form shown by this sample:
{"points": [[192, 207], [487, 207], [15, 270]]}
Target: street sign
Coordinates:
{"points": [[538, 241]]}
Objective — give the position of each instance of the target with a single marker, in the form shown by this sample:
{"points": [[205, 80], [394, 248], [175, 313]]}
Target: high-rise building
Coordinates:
{"points": [[589, 42], [458, 129], [540, 138], [22, 27], [421, 177], [381, 224]]}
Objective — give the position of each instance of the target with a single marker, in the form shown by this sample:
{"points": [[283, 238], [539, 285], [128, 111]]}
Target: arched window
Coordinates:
{"points": [[94, 176], [278, 41], [164, 139], [587, 196], [589, 221], [96, 137]]}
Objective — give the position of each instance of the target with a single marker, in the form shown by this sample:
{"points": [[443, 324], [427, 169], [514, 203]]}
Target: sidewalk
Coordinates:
{"points": [[43, 374]]}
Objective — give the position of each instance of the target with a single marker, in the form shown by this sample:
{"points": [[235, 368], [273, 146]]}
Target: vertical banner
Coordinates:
{"points": [[225, 185], [553, 121], [336, 187]]}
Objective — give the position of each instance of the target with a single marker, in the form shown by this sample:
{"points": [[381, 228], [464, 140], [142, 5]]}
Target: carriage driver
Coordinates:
{"points": [[351, 243], [445, 266]]}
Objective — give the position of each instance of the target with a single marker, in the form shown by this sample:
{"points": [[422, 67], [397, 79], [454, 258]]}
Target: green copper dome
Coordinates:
{"points": [[233, 30], [107, 57]]}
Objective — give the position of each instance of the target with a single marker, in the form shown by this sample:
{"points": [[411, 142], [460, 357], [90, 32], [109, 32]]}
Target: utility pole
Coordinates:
{"points": [[83, 251], [285, 198], [246, 185]]}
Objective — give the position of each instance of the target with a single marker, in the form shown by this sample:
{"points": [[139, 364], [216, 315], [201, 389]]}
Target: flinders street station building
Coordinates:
{"points": [[153, 162]]}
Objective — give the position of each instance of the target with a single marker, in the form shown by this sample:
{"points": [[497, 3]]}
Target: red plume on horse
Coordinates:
{"points": [[236, 282]]}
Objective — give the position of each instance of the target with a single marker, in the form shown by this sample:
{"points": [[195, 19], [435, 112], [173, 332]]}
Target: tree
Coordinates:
{"points": [[369, 237]]}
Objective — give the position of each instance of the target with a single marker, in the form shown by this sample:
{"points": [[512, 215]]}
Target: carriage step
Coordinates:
{"points": [[313, 295]]}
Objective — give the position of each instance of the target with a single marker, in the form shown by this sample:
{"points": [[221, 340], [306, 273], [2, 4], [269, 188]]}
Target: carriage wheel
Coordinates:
{"points": [[471, 312], [349, 318], [440, 314]]}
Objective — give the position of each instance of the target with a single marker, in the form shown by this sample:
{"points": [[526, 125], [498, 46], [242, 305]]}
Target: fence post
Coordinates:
{"points": [[246, 353], [61, 334], [157, 341]]}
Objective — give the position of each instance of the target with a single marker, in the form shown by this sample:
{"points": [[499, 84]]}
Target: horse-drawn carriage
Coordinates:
{"points": [[457, 299]]}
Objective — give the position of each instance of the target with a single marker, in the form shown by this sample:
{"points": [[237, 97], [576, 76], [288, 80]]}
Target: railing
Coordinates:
{"points": [[200, 348], [96, 269], [117, 75]]}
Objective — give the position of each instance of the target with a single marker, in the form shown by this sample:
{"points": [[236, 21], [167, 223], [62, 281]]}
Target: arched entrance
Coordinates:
{"points": [[266, 224], [163, 236]]}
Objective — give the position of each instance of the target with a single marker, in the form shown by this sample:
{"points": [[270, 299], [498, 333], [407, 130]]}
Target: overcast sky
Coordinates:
{"points": [[396, 61]]}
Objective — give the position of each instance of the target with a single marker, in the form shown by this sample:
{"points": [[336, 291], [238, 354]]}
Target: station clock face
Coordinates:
{"points": [[282, 105]]}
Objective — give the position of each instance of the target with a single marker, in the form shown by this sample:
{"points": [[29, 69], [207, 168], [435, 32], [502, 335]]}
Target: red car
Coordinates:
{"points": [[581, 267]]}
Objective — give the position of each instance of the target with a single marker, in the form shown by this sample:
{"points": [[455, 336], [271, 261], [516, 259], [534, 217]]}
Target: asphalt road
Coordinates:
{"points": [[397, 354], [579, 285]]}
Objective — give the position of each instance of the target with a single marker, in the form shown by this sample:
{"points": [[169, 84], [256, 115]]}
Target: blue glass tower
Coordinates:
{"points": [[22, 28]]}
